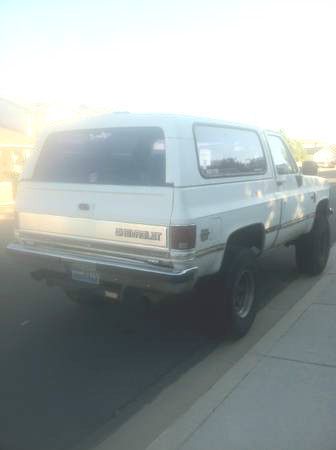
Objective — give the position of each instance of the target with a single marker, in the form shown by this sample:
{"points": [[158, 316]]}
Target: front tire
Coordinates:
{"points": [[312, 249]]}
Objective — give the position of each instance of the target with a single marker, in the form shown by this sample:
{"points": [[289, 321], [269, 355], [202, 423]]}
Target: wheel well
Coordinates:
{"points": [[252, 236]]}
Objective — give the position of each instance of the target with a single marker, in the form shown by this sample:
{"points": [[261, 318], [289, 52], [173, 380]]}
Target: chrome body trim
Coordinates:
{"points": [[123, 271], [103, 247], [135, 234], [91, 246]]}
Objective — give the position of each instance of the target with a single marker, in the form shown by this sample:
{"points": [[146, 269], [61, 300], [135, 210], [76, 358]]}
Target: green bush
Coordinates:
{"points": [[296, 147]]}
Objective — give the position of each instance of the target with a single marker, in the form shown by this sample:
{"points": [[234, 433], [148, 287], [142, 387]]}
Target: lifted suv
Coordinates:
{"points": [[160, 202]]}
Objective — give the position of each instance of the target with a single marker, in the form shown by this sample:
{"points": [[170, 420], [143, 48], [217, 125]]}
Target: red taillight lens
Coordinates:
{"points": [[183, 237]]}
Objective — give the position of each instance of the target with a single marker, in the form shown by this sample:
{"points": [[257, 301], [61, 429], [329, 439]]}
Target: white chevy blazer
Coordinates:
{"points": [[167, 204]]}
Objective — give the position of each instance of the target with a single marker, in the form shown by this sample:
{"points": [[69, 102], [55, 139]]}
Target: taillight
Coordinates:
{"points": [[183, 237]]}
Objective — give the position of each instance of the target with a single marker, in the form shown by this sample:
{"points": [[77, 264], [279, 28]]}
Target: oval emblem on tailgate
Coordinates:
{"points": [[84, 206]]}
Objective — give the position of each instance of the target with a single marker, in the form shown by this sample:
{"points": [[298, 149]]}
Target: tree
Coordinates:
{"points": [[296, 147]]}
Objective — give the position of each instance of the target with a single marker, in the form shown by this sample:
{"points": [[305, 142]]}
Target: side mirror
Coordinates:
{"points": [[309, 168]]}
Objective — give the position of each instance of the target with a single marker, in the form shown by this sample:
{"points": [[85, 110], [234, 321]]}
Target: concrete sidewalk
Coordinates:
{"points": [[280, 395]]}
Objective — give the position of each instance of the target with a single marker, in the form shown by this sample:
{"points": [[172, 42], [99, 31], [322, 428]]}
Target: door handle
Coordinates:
{"points": [[84, 206], [280, 182]]}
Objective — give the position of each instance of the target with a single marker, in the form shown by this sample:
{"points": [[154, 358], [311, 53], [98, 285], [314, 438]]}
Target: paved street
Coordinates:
{"points": [[69, 375]]}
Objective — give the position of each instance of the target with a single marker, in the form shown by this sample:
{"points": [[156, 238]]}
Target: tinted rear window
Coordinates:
{"points": [[118, 156]]}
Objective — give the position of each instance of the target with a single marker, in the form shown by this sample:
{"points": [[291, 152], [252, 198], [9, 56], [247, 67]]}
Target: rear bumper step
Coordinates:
{"points": [[111, 270]]}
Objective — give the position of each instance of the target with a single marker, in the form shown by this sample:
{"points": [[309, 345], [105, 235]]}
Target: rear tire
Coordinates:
{"points": [[236, 293], [312, 249]]}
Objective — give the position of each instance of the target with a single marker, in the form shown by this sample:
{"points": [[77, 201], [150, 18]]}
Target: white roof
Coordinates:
{"points": [[173, 124]]}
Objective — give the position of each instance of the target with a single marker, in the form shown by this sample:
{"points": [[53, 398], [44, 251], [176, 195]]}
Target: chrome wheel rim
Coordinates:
{"points": [[244, 293]]}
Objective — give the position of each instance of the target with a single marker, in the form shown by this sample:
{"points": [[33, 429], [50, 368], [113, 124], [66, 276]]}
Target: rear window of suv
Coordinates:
{"points": [[227, 152], [114, 156]]}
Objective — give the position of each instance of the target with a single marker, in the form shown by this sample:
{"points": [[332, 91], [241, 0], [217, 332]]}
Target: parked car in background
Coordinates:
{"points": [[325, 158]]}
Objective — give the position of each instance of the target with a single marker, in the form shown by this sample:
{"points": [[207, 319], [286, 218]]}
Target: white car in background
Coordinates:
{"points": [[325, 158]]}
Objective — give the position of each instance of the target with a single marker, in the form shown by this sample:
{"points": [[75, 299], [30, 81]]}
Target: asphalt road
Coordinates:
{"points": [[67, 372]]}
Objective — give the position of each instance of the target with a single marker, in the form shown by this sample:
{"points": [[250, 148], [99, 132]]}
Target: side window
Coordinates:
{"points": [[283, 160], [228, 152]]}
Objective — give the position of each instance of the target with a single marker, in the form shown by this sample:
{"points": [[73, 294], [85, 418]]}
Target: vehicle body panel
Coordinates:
{"points": [[131, 224]]}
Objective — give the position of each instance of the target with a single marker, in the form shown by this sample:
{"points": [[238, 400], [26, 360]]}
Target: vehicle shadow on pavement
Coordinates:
{"points": [[69, 370]]}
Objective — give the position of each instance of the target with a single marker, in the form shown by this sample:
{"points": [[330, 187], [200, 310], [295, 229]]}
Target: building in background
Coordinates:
{"points": [[312, 147], [19, 127], [16, 143]]}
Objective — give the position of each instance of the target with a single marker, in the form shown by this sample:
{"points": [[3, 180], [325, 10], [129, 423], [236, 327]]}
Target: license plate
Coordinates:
{"points": [[85, 274]]}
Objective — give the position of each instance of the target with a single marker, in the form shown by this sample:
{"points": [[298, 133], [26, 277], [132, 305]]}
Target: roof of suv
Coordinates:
{"points": [[176, 124]]}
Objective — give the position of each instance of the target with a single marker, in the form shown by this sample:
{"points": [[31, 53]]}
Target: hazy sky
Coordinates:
{"points": [[261, 61]]}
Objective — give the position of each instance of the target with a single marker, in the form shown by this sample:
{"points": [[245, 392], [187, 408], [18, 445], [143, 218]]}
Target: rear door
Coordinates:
{"points": [[296, 203], [101, 184]]}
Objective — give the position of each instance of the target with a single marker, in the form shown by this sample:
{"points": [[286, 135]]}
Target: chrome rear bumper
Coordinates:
{"points": [[125, 272]]}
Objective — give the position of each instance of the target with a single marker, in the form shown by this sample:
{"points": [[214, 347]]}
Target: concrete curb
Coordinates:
{"points": [[177, 434]]}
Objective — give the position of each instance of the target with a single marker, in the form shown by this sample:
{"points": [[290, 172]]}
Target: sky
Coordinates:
{"points": [[270, 63]]}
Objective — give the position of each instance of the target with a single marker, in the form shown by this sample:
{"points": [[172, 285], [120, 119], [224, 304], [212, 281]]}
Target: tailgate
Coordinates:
{"points": [[134, 216], [100, 184]]}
